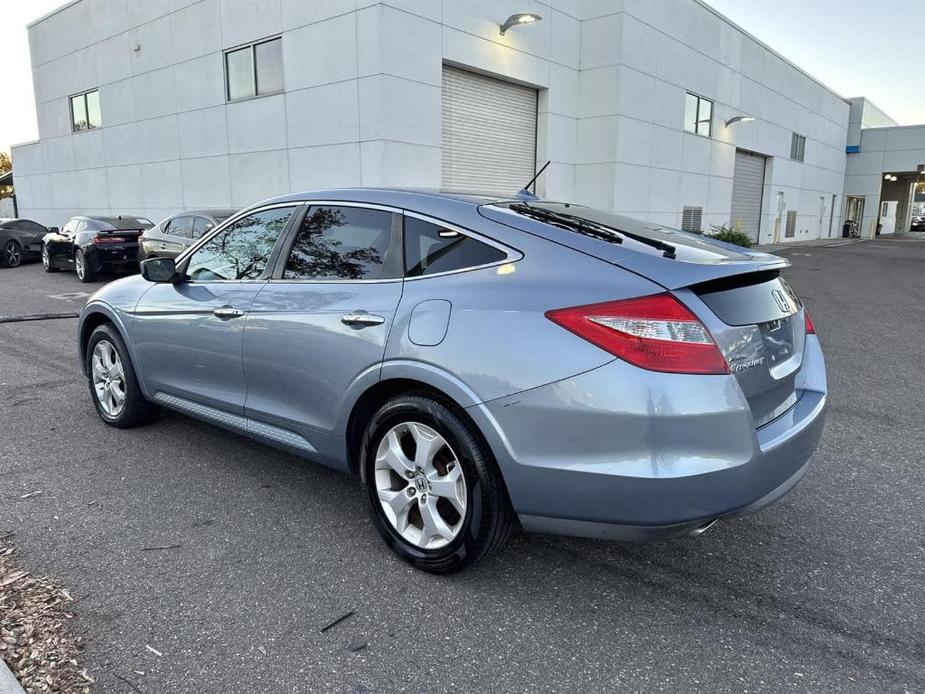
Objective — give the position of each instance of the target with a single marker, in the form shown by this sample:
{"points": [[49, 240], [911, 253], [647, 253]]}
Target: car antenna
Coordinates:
{"points": [[525, 194]]}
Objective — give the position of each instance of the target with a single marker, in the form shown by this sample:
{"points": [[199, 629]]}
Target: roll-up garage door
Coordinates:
{"points": [[489, 133], [747, 192]]}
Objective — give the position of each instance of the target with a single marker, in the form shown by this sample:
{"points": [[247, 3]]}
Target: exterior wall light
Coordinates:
{"points": [[739, 119], [518, 19]]}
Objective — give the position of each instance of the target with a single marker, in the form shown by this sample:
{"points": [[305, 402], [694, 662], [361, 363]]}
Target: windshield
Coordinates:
{"points": [[633, 234]]}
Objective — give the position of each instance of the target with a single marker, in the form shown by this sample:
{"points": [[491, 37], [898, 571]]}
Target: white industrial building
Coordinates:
{"points": [[660, 109]]}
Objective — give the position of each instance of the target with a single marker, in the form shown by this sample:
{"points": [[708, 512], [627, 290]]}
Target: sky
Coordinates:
{"points": [[856, 47]]}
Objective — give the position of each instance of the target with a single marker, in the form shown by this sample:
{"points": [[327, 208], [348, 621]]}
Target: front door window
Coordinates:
{"points": [[241, 251]]}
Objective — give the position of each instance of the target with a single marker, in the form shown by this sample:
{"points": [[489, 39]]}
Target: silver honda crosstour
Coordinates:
{"points": [[478, 362]]}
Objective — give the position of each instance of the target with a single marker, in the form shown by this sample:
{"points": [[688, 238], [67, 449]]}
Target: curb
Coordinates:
{"points": [[8, 683], [818, 243]]}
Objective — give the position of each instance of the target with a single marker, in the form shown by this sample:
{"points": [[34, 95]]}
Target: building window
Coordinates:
{"points": [[797, 147], [254, 70], [698, 115], [85, 111], [692, 219]]}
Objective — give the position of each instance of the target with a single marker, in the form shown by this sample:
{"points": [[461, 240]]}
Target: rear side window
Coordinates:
{"points": [[179, 226], [343, 243], [430, 249], [200, 226], [241, 251]]}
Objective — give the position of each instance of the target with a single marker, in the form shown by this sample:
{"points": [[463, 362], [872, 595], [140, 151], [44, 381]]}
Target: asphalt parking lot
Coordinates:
{"points": [[822, 592]]}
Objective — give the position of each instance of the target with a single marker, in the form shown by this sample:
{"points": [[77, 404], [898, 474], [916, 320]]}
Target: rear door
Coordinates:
{"points": [[176, 237], [188, 335], [321, 322], [32, 235]]}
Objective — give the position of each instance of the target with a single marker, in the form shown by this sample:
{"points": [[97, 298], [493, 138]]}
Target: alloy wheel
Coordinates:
{"points": [[12, 254], [108, 378], [79, 265], [421, 485], [46, 260]]}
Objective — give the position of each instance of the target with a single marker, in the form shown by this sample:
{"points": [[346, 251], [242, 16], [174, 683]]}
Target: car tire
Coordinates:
{"points": [[11, 254], [486, 519], [46, 260], [84, 273], [122, 405]]}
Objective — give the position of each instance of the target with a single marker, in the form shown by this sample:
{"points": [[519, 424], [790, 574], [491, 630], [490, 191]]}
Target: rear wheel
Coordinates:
{"points": [[46, 260], [84, 273], [435, 492], [113, 386], [12, 254]]}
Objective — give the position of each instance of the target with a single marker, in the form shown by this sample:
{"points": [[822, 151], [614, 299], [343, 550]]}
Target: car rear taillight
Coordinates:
{"points": [[810, 328], [655, 332], [108, 239]]}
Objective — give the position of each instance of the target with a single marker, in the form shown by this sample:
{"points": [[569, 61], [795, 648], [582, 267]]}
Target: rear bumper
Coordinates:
{"points": [[629, 454], [115, 259]]}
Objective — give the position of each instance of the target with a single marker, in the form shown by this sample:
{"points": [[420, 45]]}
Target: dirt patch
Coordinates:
{"points": [[37, 641]]}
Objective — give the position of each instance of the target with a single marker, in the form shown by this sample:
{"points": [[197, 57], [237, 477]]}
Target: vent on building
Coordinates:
{"points": [[692, 219], [791, 224]]}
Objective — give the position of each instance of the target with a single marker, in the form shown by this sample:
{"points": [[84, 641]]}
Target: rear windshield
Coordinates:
{"points": [[617, 229]]}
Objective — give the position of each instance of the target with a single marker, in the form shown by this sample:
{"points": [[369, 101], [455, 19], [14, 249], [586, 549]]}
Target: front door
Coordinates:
{"points": [[320, 324], [188, 335], [888, 216]]}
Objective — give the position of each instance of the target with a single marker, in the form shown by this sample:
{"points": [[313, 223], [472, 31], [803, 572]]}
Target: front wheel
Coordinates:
{"points": [[46, 260], [12, 254], [435, 491], [113, 386], [84, 273]]}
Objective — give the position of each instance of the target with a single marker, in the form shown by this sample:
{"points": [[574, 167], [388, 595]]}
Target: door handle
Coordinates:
{"points": [[361, 319], [228, 312]]}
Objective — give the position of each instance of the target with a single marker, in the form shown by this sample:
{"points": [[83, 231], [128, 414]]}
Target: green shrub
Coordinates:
{"points": [[732, 235]]}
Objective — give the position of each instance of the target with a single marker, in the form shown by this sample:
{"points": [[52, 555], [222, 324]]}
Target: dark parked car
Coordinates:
{"points": [[19, 239], [91, 245], [173, 235], [918, 224]]}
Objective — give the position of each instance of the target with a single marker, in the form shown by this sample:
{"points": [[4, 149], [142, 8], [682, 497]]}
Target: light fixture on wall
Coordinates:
{"points": [[739, 119], [518, 19]]}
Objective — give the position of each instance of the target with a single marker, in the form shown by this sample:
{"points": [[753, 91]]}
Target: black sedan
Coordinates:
{"points": [[20, 239], [173, 235], [91, 245]]}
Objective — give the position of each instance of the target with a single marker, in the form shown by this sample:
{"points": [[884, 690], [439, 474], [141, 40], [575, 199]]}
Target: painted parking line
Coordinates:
{"points": [[69, 296]]}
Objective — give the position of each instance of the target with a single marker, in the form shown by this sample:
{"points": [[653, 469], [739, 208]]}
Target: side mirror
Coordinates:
{"points": [[160, 270], [53, 230]]}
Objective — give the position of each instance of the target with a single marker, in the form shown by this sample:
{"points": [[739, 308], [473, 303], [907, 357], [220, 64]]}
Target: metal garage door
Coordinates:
{"points": [[489, 133], [747, 191]]}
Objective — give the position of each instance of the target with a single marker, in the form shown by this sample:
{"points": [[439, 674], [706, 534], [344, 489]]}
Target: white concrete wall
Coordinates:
{"points": [[865, 114], [362, 104], [639, 59], [890, 150]]}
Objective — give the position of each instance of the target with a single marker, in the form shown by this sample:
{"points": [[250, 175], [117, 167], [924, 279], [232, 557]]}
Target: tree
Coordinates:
{"points": [[5, 165]]}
